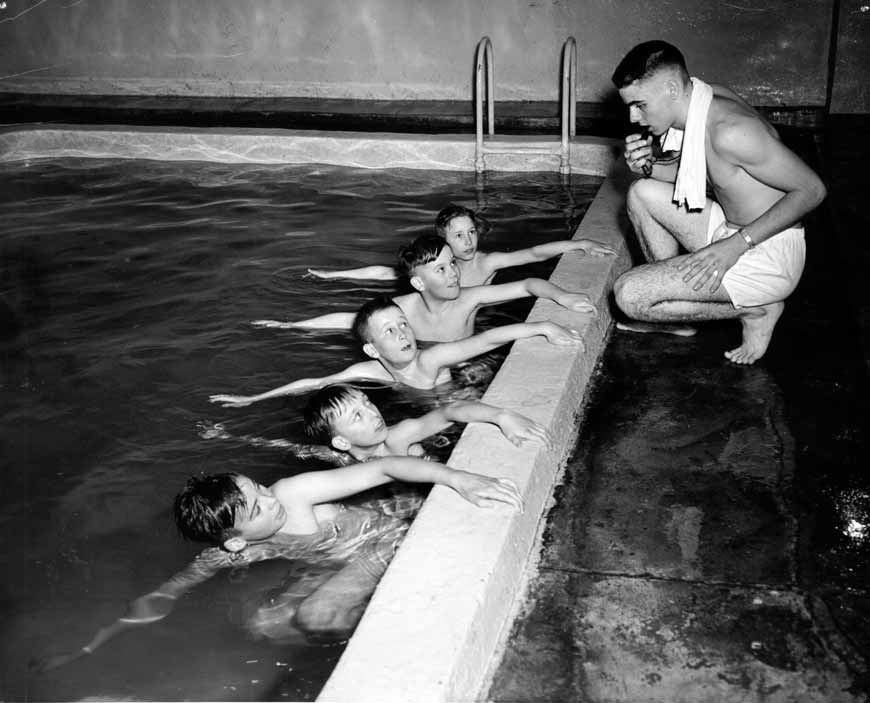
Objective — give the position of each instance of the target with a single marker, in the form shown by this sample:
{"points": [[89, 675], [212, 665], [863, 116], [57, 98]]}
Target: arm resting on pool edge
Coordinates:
{"points": [[449, 354], [504, 259], [515, 427], [146, 609]]}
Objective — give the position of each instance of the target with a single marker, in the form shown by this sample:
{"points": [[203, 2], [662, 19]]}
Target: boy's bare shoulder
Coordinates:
{"points": [[282, 489], [371, 368], [488, 261], [408, 301]]}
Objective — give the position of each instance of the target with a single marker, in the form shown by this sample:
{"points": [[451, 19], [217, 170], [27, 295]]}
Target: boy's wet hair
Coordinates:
{"points": [[423, 250], [206, 508], [647, 58], [452, 211], [322, 409], [360, 326]]}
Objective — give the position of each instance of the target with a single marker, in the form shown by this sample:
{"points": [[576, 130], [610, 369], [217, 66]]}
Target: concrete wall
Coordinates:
{"points": [[775, 52], [851, 89]]}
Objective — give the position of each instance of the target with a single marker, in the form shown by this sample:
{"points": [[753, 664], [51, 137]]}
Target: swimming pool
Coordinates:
{"points": [[128, 287]]}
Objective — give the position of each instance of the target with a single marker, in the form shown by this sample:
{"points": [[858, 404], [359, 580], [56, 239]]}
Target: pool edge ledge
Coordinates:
{"points": [[437, 643], [590, 155]]}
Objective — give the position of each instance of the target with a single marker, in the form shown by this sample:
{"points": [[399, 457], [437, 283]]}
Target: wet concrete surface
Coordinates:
{"points": [[710, 540]]}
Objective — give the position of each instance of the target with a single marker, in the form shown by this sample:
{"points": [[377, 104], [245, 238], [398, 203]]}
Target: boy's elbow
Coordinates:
{"points": [[452, 411]]}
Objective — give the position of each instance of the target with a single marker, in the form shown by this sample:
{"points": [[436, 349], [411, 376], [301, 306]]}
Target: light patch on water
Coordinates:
{"points": [[856, 530], [853, 507]]}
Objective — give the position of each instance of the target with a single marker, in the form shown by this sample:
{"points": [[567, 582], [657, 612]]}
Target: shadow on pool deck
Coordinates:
{"points": [[701, 547]]}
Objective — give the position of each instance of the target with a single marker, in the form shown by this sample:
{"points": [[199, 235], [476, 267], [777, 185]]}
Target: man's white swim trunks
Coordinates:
{"points": [[768, 272]]}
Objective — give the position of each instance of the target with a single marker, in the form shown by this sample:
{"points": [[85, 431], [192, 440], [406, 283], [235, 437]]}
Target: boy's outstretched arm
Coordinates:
{"points": [[336, 484], [370, 273], [330, 321], [515, 427], [447, 354], [363, 371], [503, 259], [537, 287], [144, 610], [298, 449]]}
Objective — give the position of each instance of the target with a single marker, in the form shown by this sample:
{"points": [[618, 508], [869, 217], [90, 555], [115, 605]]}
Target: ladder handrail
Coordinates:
{"points": [[569, 100], [483, 58]]}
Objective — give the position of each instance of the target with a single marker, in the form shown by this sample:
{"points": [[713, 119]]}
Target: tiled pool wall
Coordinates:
{"points": [[437, 619]]}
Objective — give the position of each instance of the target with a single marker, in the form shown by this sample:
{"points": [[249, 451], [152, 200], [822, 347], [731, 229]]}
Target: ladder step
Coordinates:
{"points": [[518, 149], [521, 144]]}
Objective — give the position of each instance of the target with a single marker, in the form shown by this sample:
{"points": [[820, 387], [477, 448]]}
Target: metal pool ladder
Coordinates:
{"points": [[491, 145]]}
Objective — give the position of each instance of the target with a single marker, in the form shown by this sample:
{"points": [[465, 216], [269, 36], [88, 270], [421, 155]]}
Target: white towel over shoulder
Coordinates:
{"points": [[691, 184]]}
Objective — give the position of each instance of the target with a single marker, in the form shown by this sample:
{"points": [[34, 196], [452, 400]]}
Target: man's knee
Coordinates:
{"points": [[629, 294], [642, 193]]}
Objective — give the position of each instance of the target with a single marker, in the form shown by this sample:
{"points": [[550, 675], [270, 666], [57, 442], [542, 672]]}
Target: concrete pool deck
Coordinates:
{"points": [[709, 540], [441, 611]]}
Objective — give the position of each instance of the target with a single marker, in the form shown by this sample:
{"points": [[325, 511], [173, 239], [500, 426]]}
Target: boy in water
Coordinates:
{"points": [[440, 310], [345, 418], [387, 337], [297, 518], [460, 227], [346, 427]]}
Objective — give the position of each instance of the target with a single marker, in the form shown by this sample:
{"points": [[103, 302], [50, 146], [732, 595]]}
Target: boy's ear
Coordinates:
{"points": [[340, 443], [369, 350], [234, 543], [417, 283]]}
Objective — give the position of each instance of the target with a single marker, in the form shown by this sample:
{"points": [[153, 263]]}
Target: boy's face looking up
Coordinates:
{"points": [[439, 278], [261, 515], [357, 423], [391, 338], [461, 235]]}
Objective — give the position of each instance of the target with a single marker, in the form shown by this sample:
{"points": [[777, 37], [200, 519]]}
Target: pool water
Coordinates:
{"points": [[126, 296]]}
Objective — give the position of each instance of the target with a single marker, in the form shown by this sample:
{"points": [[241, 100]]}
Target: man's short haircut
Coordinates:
{"points": [[206, 508], [360, 327], [647, 58], [423, 250], [322, 409], [452, 211]]}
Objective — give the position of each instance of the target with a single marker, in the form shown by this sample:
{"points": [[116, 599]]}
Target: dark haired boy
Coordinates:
{"points": [[297, 518], [344, 418], [440, 310], [388, 338], [461, 228]]}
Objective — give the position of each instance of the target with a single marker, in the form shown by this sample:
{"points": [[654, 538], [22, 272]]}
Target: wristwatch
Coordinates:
{"points": [[746, 238], [647, 168]]}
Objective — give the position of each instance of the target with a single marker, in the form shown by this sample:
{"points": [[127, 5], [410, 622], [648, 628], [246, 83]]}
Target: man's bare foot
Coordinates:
{"points": [[679, 330], [758, 324]]}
